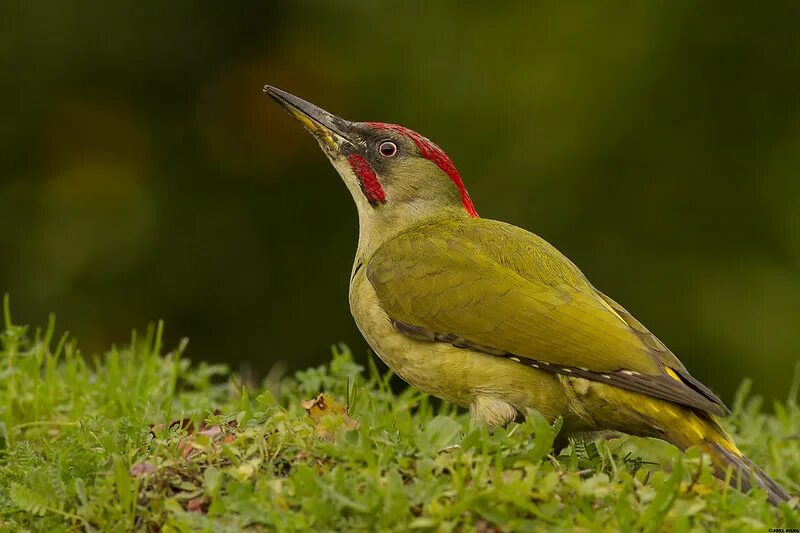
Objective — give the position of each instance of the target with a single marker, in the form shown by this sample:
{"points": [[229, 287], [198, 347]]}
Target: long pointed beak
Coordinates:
{"points": [[316, 120]]}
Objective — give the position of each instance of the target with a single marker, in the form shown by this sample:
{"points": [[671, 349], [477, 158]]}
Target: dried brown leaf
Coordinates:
{"points": [[198, 505], [324, 405], [142, 468]]}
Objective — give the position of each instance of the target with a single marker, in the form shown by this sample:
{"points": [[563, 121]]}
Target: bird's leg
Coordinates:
{"points": [[560, 443]]}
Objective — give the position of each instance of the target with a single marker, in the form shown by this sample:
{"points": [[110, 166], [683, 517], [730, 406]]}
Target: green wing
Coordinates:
{"points": [[491, 286]]}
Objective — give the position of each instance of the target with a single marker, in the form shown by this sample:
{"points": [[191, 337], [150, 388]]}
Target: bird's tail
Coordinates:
{"points": [[705, 433]]}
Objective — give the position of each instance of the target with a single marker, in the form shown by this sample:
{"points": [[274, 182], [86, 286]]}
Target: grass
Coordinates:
{"points": [[137, 440]]}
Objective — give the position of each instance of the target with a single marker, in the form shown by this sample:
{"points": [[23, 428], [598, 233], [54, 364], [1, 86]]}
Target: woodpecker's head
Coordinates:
{"points": [[390, 170]]}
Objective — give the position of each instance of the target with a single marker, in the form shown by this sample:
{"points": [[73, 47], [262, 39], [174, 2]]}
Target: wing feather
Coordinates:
{"points": [[489, 286]]}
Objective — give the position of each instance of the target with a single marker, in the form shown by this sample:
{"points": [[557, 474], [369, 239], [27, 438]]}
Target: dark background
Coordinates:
{"points": [[145, 176]]}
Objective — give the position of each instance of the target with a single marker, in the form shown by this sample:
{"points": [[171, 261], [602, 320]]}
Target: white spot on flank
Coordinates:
{"points": [[534, 365], [580, 385], [567, 370], [515, 359]]}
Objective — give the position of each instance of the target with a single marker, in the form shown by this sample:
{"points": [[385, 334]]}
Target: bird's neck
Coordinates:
{"points": [[381, 224]]}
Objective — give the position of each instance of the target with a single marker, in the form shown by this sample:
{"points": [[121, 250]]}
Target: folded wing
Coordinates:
{"points": [[493, 287]]}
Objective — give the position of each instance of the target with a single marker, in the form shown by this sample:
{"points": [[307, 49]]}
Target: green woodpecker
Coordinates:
{"points": [[491, 317]]}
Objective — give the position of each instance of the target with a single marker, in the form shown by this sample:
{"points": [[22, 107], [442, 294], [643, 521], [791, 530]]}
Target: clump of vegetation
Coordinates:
{"points": [[135, 439]]}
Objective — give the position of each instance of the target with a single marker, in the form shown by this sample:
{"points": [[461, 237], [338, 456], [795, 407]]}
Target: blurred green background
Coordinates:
{"points": [[145, 176]]}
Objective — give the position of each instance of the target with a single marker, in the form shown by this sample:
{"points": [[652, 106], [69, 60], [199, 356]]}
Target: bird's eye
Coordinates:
{"points": [[388, 149]]}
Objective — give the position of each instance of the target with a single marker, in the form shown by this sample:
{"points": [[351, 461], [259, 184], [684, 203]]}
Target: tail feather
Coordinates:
{"points": [[685, 427], [744, 471], [709, 436]]}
